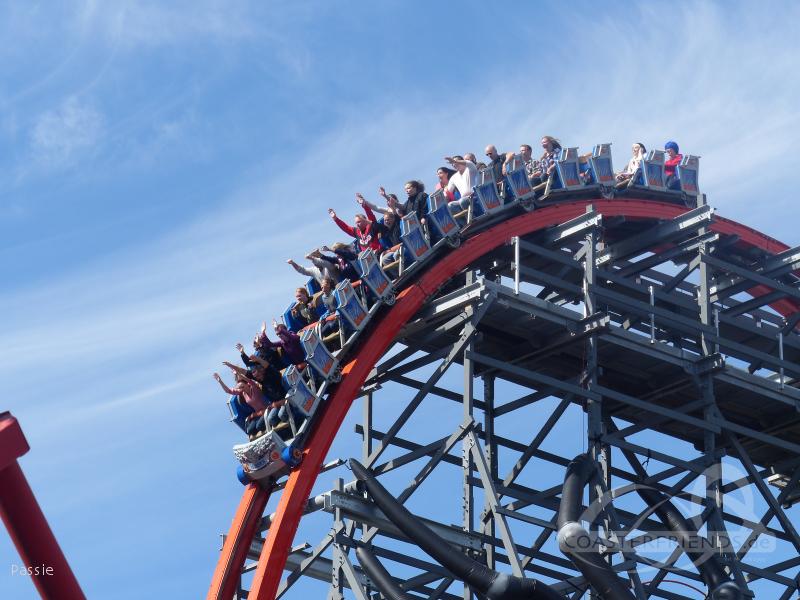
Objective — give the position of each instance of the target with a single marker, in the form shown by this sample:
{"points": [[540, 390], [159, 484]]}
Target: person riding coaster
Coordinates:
{"points": [[279, 414]]}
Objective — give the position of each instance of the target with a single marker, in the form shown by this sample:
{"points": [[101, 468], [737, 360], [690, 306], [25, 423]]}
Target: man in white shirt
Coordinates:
{"points": [[463, 180]]}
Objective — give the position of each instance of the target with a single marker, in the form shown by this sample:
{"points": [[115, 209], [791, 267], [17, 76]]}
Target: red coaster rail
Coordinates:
{"points": [[27, 525]]}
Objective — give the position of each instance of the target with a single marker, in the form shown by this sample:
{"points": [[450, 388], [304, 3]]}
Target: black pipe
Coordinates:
{"points": [[494, 585], [379, 575], [696, 547], [576, 543], [580, 471]]}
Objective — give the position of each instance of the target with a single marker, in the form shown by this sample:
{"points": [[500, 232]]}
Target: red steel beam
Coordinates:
{"points": [[298, 487], [26, 524], [237, 543]]}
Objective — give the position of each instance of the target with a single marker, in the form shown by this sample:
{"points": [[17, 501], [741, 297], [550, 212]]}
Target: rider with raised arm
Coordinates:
{"points": [[443, 174], [251, 394], [288, 342], [389, 223], [364, 228], [342, 260], [463, 180], [319, 269]]}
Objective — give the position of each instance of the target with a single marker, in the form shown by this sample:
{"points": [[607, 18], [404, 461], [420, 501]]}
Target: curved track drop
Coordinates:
{"points": [[614, 308]]}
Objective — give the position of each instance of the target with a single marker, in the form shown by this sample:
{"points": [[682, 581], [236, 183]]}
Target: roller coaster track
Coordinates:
{"points": [[373, 344]]}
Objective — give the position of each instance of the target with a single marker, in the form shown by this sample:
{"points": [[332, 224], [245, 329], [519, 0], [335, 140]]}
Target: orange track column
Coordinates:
{"points": [[237, 543], [298, 488]]}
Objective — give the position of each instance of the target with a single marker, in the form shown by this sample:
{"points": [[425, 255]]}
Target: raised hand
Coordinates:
{"points": [[360, 199], [332, 213], [382, 191], [239, 347]]}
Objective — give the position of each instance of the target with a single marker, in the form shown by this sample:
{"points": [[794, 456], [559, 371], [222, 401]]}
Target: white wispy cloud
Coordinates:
{"points": [[60, 135], [78, 52], [156, 23]]}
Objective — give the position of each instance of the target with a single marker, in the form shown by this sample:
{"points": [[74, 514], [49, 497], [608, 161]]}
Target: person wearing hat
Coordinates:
{"points": [[672, 161]]}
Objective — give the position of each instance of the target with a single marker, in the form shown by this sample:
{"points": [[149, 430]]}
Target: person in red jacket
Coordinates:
{"points": [[670, 163], [365, 228]]}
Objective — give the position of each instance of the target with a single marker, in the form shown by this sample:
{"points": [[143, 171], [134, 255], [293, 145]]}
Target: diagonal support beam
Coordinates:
{"points": [[678, 278], [749, 277], [537, 440], [464, 429], [441, 588], [778, 265], [491, 497], [690, 245], [752, 304], [522, 402], [307, 562], [352, 578], [573, 228], [440, 450], [756, 479], [469, 332], [680, 226]]}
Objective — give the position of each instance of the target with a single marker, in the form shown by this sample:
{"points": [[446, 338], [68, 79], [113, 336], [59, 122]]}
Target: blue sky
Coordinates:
{"points": [[160, 162]]}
